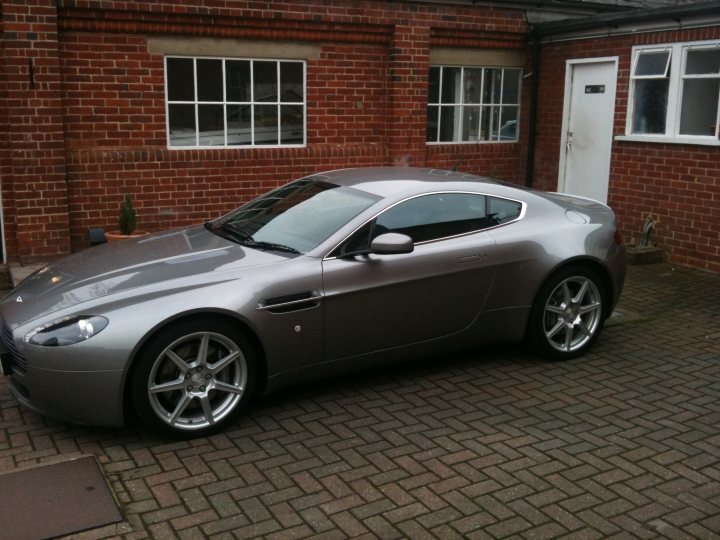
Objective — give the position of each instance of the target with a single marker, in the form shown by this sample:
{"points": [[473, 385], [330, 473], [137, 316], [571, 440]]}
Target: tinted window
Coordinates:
{"points": [[502, 210], [426, 218]]}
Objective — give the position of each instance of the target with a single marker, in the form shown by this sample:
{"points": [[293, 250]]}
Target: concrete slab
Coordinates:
{"points": [[19, 272]]}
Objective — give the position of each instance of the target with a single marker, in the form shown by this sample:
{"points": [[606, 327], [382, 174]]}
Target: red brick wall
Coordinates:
{"points": [[678, 184], [34, 192], [366, 101]]}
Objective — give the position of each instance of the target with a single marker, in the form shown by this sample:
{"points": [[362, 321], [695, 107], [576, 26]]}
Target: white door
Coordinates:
{"points": [[589, 110]]}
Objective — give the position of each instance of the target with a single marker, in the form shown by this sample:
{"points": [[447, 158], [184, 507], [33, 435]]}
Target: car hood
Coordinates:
{"points": [[180, 258]]}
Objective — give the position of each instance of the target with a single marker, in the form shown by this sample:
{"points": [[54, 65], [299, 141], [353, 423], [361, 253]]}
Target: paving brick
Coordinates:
{"points": [[624, 442]]}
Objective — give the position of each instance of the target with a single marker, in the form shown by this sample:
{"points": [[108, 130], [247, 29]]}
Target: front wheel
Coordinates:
{"points": [[193, 378], [568, 314]]}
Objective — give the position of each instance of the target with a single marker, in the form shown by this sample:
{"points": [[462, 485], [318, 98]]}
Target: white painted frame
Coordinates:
{"points": [[225, 103], [678, 57]]}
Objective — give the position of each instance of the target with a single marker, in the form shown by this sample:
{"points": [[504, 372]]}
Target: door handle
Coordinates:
{"points": [[569, 141]]}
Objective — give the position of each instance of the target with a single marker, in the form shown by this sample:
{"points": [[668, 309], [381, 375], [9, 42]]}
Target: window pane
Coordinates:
{"points": [[432, 123], [182, 125], [209, 80], [502, 210], [473, 85], [451, 86], [703, 62], [508, 124], [471, 123], [699, 107], [266, 124], [434, 85], [435, 216], [291, 124], [492, 85], [511, 87], [652, 63], [237, 80], [291, 82], [211, 125], [239, 125], [486, 123], [180, 79], [449, 120], [650, 101], [265, 81]]}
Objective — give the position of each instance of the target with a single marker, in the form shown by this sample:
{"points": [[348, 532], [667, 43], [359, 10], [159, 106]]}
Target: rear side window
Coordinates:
{"points": [[503, 210]]}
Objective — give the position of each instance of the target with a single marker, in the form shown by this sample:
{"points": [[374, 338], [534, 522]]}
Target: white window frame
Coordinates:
{"points": [[462, 106], [224, 103], [678, 59]]}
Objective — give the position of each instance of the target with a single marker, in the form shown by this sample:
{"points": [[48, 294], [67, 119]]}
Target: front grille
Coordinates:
{"points": [[19, 363]]}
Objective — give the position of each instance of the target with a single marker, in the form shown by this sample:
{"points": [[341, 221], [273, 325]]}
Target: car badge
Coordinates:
{"points": [[19, 299]]}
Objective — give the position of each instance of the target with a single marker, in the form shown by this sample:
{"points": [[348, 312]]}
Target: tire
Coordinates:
{"points": [[193, 378], [568, 314]]}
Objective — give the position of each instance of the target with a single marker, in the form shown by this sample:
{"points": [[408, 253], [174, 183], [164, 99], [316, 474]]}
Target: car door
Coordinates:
{"points": [[376, 302]]}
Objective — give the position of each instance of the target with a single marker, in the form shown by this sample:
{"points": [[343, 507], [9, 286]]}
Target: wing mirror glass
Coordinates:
{"points": [[392, 244]]}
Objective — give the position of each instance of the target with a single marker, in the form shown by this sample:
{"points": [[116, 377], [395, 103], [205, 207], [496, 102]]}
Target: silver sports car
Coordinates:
{"points": [[334, 272]]}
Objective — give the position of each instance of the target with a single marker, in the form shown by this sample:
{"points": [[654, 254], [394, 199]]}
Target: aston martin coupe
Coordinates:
{"points": [[334, 272]]}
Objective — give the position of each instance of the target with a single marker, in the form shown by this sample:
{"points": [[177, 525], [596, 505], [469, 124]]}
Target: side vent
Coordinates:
{"points": [[291, 302]]}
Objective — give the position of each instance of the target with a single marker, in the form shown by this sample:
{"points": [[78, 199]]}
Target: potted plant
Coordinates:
{"points": [[127, 222]]}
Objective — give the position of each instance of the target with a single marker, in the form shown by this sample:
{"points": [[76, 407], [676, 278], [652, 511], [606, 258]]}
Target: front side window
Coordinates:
{"points": [[473, 104], [434, 217], [228, 102], [675, 91]]}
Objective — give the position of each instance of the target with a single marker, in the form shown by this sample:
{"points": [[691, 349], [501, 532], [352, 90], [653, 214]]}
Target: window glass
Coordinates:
{"points": [[699, 107], [296, 217], [180, 79], [211, 125], [451, 87], [209, 80], [704, 61], [503, 210], [291, 83], [181, 120], [431, 217], [675, 91], [266, 124], [237, 80], [265, 81], [219, 102], [652, 63], [472, 111], [650, 105], [473, 85]]}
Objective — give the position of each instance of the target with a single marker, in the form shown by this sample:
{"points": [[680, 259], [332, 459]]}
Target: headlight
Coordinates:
{"points": [[66, 331]]}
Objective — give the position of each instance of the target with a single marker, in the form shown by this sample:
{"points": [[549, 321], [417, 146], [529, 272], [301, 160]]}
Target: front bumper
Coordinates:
{"points": [[92, 398]]}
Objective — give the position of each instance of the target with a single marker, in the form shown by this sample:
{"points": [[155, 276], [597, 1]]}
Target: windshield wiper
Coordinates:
{"points": [[269, 245], [245, 239]]}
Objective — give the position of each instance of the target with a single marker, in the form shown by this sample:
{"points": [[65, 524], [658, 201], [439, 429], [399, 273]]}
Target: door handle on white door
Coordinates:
{"points": [[569, 141]]}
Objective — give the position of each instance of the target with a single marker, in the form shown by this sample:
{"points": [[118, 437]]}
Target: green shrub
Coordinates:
{"points": [[128, 217]]}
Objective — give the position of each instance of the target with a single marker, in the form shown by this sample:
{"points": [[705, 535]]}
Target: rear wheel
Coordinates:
{"points": [[193, 378], [568, 314]]}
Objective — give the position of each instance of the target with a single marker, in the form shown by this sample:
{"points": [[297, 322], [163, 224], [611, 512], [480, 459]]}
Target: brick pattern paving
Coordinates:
{"points": [[624, 442]]}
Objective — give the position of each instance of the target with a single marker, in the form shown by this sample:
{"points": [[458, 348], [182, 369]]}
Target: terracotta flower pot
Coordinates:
{"points": [[117, 236]]}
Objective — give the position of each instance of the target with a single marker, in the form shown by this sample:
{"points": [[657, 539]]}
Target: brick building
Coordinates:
{"points": [[194, 107]]}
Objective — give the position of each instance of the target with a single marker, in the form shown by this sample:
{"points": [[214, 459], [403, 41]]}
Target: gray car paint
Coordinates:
{"points": [[359, 311]]}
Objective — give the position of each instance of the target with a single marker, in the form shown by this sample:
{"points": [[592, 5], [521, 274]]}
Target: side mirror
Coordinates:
{"points": [[392, 244]]}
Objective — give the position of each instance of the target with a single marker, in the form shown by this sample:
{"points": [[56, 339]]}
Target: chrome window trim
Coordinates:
{"points": [[523, 208]]}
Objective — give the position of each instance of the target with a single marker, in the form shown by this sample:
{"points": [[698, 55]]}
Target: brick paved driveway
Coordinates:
{"points": [[624, 442]]}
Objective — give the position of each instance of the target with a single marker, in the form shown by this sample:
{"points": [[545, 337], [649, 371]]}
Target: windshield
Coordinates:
{"points": [[295, 218]]}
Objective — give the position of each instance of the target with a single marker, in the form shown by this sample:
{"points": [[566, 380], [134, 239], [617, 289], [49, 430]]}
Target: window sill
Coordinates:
{"points": [[667, 140]]}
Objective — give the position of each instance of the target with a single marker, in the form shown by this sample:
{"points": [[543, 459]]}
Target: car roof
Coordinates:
{"points": [[392, 181]]}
